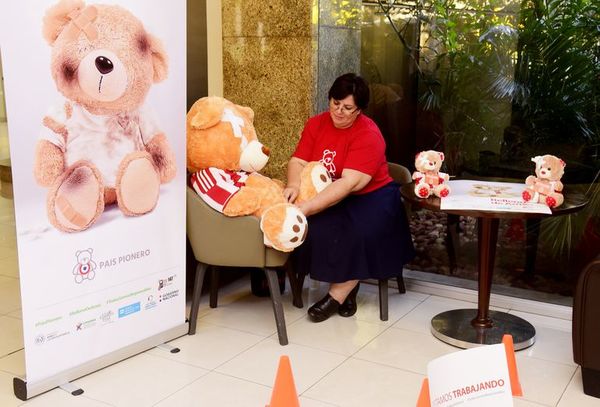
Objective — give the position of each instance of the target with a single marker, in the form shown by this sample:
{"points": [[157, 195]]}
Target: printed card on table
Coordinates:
{"points": [[489, 196]]}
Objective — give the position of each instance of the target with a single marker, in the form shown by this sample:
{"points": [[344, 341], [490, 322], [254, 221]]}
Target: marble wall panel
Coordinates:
{"points": [[339, 53], [260, 18], [273, 76]]}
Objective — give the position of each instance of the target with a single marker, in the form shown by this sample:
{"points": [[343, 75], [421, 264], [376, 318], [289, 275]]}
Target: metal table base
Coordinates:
{"points": [[455, 327]]}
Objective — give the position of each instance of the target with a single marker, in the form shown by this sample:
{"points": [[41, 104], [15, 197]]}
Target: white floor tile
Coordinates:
{"points": [[259, 363], [574, 395], [358, 383], [14, 363], [210, 347], [544, 321], [248, 313], [419, 319], [520, 402], [404, 349], [10, 295], [543, 381], [12, 335], [551, 344], [15, 314], [337, 334], [212, 390], [9, 266], [7, 251], [7, 396], [59, 397], [142, 380], [368, 306]]}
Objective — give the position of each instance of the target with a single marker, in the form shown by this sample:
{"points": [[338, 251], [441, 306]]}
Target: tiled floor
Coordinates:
{"points": [[232, 360]]}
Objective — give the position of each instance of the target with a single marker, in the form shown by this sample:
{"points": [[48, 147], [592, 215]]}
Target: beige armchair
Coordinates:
{"points": [[218, 240]]}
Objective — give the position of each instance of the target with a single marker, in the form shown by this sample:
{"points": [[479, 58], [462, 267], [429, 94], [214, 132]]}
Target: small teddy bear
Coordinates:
{"points": [[546, 186], [224, 157], [100, 146], [85, 269], [428, 178]]}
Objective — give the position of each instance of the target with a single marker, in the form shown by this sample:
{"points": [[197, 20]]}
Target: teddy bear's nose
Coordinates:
{"points": [[104, 65], [266, 151]]}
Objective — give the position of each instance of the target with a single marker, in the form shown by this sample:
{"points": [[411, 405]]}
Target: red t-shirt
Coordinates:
{"points": [[360, 147]]}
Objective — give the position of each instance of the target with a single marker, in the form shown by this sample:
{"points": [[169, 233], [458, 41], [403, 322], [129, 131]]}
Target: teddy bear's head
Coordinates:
{"points": [[221, 134], [84, 256], [102, 57], [549, 167], [427, 161]]}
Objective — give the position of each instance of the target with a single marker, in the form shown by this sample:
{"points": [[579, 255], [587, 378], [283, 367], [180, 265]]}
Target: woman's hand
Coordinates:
{"points": [[290, 194]]}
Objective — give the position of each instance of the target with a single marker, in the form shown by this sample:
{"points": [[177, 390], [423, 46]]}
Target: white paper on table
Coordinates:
{"points": [[472, 377], [489, 196]]}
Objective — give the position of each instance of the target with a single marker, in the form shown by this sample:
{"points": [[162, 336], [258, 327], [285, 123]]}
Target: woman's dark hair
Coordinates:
{"points": [[351, 84]]}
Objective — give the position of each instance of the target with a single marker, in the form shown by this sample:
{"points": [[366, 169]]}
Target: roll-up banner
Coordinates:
{"points": [[95, 98]]}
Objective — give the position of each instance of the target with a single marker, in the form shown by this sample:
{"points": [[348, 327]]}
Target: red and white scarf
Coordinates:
{"points": [[216, 186]]}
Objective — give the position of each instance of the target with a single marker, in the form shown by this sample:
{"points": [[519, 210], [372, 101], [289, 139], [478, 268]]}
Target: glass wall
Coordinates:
{"points": [[492, 83]]}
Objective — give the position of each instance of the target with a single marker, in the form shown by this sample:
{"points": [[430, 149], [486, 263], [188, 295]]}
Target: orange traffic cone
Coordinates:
{"points": [[284, 390]]}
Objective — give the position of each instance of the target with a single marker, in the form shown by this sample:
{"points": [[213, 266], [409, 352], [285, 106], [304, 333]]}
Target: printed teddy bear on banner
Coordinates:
{"points": [[100, 146], [428, 178], [546, 186], [224, 157], [85, 269]]}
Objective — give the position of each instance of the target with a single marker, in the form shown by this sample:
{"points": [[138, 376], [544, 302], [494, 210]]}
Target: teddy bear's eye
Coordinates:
{"points": [[549, 168]]}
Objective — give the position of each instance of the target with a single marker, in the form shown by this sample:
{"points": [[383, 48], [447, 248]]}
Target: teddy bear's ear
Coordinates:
{"points": [[441, 156], [160, 60], [247, 111], [77, 253], [207, 112], [57, 17]]}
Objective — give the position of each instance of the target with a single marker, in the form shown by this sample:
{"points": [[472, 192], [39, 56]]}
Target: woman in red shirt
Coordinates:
{"points": [[357, 225]]}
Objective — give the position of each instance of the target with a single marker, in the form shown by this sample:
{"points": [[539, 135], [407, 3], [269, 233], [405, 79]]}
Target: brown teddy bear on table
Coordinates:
{"points": [[428, 177], [100, 146], [224, 157], [546, 187]]}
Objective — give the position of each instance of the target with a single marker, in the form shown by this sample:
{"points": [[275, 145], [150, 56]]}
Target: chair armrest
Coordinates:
{"points": [[220, 240]]}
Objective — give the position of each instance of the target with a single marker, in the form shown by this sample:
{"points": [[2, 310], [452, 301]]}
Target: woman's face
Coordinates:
{"points": [[343, 112]]}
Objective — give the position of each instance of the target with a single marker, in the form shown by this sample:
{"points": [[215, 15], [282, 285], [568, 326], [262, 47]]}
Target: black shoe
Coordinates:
{"points": [[323, 309], [348, 307]]}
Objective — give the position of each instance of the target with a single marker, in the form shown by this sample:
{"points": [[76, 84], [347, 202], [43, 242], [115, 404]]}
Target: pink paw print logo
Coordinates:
{"points": [[327, 161]]}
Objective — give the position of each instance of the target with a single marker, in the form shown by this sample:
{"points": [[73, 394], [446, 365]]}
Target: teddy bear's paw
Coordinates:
{"points": [[422, 191], [138, 184], [77, 199], [444, 192], [551, 202], [526, 196], [284, 227]]}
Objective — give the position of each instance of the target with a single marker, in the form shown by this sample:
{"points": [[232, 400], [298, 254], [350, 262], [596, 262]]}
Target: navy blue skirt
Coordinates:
{"points": [[363, 236]]}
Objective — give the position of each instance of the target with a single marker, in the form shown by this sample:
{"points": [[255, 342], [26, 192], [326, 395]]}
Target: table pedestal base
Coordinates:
{"points": [[454, 327]]}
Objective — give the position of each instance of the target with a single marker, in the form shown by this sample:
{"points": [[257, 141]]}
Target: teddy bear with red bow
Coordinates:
{"points": [[428, 177], [546, 187]]}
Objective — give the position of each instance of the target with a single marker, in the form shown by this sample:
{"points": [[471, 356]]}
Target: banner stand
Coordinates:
{"points": [[24, 390]]}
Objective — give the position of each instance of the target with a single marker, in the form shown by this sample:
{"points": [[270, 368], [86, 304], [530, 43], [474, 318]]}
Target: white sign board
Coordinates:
{"points": [[96, 118], [489, 196]]}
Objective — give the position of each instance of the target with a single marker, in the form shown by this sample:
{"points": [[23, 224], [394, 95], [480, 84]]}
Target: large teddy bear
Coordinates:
{"points": [[546, 187], [100, 146], [224, 157], [428, 177]]}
